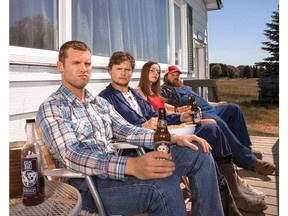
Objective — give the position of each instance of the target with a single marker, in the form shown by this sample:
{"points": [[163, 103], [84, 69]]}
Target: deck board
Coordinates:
{"points": [[267, 184]]}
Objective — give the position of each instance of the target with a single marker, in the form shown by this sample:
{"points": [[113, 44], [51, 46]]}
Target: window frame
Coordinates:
{"points": [[183, 22], [32, 56]]}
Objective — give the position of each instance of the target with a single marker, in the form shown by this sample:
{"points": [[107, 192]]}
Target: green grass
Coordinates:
{"points": [[261, 120]]}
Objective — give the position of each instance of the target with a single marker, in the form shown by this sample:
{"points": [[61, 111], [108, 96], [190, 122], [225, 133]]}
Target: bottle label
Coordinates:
{"points": [[30, 177], [162, 123], [163, 146], [197, 117]]}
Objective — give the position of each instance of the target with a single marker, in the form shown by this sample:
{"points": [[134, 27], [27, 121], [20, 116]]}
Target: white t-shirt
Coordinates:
{"points": [[133, 103]]}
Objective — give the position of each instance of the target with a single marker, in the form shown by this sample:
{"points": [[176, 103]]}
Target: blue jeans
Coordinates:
{"points": [[230, 119], [213, 134], [161, 196]]}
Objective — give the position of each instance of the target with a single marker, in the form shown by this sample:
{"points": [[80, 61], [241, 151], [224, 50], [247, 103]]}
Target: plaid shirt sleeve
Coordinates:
{"points": [[79, 136], [171, 96]]}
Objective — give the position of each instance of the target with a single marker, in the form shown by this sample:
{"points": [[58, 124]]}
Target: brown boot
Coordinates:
{"points": [[263, 167], [257, 153], [244, 202]]}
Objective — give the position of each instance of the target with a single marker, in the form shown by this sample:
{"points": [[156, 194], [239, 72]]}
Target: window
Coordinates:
{"points": [[143, 28], [139, 27], [34, 24]]}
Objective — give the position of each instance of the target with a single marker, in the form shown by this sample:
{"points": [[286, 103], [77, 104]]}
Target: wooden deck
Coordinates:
{"points": [[267, 184]]}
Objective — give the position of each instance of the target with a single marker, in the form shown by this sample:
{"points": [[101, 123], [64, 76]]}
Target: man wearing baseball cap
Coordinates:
{"points": [[171, 70], [228, 116]]}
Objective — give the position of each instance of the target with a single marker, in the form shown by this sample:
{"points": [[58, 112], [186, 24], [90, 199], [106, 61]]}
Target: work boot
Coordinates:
{"points": [[228, 203], [262, 167], [257, 153], [244, 202]]}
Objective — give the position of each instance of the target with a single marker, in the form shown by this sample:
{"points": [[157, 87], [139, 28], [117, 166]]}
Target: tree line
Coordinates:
{"points": [[218, 70]]}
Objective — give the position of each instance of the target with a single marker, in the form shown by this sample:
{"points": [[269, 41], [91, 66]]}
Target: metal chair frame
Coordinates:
{"points": [[65, 173]]}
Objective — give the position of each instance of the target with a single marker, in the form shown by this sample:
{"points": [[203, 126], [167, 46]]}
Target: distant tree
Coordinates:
{"points": [[241, 68], [232, 71], [248, 72], [224, 70], [256, 72], [269, 78], [215, 71], [237, 72], [218, 70]]}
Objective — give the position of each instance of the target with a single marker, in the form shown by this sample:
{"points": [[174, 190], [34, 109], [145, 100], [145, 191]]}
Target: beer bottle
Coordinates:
{"points": [[196, 116], [162, 136], [33, 182]]}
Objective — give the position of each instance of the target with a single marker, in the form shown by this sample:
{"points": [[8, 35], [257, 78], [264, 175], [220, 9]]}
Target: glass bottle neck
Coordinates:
{"points": [[30, 132], [162, 114]]}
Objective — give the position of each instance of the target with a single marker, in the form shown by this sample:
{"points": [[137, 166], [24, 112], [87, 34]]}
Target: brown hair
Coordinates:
{"points": [[76, 45], [144, 78], [119, 57]]}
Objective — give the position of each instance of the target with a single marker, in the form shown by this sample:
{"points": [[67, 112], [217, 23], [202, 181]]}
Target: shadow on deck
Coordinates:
{"points": [[267, 184]]}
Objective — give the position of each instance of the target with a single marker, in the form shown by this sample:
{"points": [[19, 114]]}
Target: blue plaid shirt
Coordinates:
{"points": [[78, 136]]}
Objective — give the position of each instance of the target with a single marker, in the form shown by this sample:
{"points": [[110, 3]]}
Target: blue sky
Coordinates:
{"points": [[236, 31]]}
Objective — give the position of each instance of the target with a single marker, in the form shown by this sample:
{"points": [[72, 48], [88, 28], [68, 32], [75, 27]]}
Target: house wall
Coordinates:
{"points": [[200, 35], [31, 83]]}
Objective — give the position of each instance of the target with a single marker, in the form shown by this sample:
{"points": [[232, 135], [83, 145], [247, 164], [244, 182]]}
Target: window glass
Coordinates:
{"points": [[136, 26], [34, 24]]}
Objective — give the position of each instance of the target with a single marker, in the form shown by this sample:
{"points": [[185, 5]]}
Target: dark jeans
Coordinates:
{"points": [[161, 196], [230, 119]]}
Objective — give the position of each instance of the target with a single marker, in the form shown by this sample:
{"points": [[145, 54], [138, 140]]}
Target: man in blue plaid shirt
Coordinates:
{"points": [[77, 129]]}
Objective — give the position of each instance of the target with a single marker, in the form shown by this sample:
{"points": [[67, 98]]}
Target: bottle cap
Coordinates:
{"points": [[30, 120]]}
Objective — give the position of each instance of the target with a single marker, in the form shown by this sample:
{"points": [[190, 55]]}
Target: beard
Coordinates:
{"points": [[175, 82]]}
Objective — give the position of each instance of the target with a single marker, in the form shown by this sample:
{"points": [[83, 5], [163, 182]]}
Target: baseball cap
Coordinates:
{"points": [[172, 69]]}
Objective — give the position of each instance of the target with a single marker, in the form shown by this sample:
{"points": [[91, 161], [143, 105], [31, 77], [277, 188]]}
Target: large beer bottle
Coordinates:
{"points": [[162, 136], [196, 116], [33, 182]]}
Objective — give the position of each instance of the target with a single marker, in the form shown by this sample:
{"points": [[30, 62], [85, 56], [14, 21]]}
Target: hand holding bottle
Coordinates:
{"points": [[148, 166]]}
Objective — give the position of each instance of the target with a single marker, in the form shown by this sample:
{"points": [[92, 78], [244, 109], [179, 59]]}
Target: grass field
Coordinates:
{"points": [[261, 120]]}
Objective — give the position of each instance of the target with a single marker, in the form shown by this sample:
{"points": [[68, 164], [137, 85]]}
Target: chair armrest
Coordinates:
{"points": [[62, 172], [120, 145]]}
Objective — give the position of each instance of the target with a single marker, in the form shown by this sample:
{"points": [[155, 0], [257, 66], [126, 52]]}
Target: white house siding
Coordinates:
{"points": [[31, 83], [200, 52]]}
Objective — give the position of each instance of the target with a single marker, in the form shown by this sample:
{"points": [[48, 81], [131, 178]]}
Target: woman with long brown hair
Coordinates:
{"points": [[149, 88]]}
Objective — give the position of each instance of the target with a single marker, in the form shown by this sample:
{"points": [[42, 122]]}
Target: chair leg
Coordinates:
{"points": [[187, 196], [95, 195]]}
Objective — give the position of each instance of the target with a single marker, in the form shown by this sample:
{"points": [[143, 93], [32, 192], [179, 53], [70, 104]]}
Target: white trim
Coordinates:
{"points": [[65, 21], [183, 22], [29, 56], [184, 45], [171, 43]]}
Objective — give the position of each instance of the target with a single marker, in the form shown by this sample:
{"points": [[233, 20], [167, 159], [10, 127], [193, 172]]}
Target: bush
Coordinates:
{"points": [[215, 71]]}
